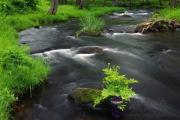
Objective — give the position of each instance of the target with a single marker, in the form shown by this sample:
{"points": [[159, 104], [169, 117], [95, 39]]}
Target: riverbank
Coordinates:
{"points": [[167, 19], [168, 14], [18, 70]]}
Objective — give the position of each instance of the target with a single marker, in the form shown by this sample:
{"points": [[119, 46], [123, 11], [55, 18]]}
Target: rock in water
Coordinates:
{"points": [[84, 97], [126, 15], [90, 50]]}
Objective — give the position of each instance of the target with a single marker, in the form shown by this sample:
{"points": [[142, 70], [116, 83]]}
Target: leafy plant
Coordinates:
{"points": [[116, 84], [90, 25]]}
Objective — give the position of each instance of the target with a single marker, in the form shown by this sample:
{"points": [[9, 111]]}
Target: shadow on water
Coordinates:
{"points": [[153, 59]]}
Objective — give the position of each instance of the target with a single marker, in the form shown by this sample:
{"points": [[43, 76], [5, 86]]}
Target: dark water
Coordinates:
{"points": [[153, 59]]}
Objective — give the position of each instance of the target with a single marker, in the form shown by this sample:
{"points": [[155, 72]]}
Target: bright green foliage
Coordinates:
{"points": [[6, 99], [91, 24], [116, 84], [168, 14], [21, 70]]}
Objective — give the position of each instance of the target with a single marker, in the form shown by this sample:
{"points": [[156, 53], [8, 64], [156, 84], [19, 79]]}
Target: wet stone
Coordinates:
{"points": [[90, 50], [84, 97]]}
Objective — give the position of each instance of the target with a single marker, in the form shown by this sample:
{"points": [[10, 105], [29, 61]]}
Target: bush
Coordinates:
{"points": [[91, 25], [20, 6], [24, 71], [116, 85]]}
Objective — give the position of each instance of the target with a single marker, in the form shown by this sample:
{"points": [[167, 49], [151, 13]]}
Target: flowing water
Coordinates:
{"points": [[153, 59]]}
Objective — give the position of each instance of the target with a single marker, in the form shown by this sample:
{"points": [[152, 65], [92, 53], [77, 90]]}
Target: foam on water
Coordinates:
{"points": [[69, 53], [160, 106], [123, 52]]}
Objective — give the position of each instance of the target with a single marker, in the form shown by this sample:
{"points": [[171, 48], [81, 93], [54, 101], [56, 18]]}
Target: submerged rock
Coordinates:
{"points": [[84, 97], [90, 34], [157, 26], [126, 15], [90, 50], [37, 27]]}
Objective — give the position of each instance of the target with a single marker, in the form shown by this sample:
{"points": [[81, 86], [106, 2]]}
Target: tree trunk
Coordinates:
{"points": [[54, 7], [160, 2], [174, 3], [81, 3]]}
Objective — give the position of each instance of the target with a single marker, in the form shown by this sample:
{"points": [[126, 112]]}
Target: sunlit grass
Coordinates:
{"points": [[91, 25], [170, 14]]}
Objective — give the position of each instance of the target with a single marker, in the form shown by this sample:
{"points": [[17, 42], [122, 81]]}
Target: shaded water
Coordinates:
{"points": [[153, 59]]}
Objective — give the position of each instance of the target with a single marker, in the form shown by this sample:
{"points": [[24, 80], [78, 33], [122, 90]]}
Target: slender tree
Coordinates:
{"points": [[54, 7], [174, 3]]}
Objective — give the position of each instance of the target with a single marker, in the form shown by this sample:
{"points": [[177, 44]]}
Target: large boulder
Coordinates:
{"points": [[157, 26]]}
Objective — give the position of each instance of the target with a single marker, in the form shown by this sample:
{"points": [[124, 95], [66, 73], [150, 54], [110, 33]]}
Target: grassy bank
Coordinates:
{"points": [[169, 14], [18, 70]]}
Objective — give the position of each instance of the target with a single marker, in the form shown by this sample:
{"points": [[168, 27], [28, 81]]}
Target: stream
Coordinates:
{"points": [[153, 59]]}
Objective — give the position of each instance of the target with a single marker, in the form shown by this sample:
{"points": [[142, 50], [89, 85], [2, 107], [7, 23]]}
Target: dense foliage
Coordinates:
{"points": [[20, 6], [116, 84]]}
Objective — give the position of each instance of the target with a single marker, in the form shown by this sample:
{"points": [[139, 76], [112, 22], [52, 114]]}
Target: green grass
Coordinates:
{"points": [[18, 70], [169, 14], [91, 25]]}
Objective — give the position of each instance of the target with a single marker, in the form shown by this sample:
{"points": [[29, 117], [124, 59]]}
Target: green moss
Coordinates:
{"points": [[85, 95]]}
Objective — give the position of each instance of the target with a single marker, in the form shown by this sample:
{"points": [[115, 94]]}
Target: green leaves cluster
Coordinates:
{"points": [[116, 84], [20, 6]]}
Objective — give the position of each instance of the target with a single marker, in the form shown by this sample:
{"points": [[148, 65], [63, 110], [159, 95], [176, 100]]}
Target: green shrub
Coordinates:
{"points": [[20, 6], [116, 84], [24, 71], [91, 25]]}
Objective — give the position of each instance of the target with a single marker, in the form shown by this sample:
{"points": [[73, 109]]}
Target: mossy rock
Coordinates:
{"points": [[84, 95]]}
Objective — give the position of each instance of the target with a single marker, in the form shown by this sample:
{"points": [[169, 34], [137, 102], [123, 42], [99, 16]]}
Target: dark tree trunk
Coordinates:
{"points": [[54, 7], [63, 1], [174, 3], [104, 3], [160, 2], [115, 2], [130, 3], [81, 3]]}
